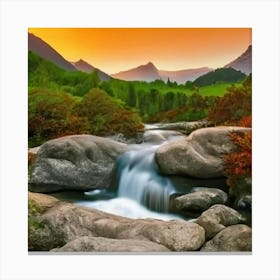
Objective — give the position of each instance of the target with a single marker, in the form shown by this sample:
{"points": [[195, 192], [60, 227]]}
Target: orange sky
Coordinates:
{"points": [[116, 49]]}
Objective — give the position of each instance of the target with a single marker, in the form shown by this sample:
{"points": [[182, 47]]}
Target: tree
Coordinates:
{"points": [[234, 105], [132, 98], [106, 115], [48, 113]]}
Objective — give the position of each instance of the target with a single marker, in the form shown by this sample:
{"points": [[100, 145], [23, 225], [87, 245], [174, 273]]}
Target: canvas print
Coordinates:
{"points": [[139, 140]]}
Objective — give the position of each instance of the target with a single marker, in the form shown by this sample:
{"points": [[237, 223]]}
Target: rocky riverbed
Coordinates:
{"points": [[168, 172]]}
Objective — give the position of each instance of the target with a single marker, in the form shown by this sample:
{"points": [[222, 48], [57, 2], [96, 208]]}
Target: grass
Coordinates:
{"points": [[216, 89]]}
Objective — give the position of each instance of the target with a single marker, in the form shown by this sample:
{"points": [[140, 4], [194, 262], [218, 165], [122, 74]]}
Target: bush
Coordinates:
{"points": [[105, 115], [238, 165], [234, 105], [48, 113]]}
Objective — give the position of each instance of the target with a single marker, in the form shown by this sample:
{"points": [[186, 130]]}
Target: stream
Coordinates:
{"points": [[139, 190]]}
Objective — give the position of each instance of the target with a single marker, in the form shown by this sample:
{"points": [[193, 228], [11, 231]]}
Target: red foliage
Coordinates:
{"points": [[246, 121], [239, 163]]}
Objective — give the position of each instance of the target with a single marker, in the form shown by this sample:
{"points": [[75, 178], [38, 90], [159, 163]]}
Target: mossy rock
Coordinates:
{"points": [[41, 234]]}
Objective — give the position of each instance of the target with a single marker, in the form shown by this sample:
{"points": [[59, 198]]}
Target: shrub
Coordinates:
{"points": [[106, 115], [238, 165], [234, 105], [48, 113]]}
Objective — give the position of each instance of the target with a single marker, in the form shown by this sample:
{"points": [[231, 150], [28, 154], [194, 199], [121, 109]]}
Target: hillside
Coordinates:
{"points": [[220, 75], [45, 74], [243, 63], [41, 48]]}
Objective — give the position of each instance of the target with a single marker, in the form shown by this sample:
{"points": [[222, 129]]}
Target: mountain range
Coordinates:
{"points": [[40, 47], [150, 73], [147, 72]]}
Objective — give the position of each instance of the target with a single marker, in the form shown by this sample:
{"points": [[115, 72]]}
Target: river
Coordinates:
{"points": [[139, 190]]}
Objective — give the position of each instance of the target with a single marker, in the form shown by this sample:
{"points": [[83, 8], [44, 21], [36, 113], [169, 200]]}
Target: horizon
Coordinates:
{"points": [[168, 49]]}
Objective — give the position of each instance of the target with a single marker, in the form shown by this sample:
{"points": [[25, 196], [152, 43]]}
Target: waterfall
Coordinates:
{"points": [[140, 180], [142, 191]]}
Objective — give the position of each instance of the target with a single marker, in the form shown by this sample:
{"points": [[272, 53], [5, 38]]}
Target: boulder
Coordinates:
{"points": [[217, 218], [184, 127], [77, 162], [41, 235], [71, 222], [199, 155], [245, 203], [159, 136], [231, 239], [101, 244], [200, 199], [42, 201]]}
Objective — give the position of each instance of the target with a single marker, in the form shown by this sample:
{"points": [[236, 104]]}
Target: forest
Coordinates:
{"points": [[63, 103]]}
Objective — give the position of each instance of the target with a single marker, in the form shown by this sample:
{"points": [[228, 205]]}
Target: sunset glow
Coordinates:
{"points": [[116, 49]]}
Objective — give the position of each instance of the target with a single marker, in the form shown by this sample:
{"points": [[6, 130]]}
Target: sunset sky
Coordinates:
{"points": [[117, 49]]}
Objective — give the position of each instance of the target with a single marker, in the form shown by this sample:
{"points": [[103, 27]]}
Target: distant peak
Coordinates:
{"points": [[80, 61], [150, 65]]}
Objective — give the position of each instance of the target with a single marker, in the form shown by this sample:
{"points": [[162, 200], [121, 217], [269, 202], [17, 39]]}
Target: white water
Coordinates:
{"points": [[140, 181], [126, 207], [141, 189]]}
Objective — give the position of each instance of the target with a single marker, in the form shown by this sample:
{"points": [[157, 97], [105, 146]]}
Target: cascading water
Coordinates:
{"points": [[141, 191], [140, 181]]}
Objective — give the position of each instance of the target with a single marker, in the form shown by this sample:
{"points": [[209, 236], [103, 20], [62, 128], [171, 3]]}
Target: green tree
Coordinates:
{"points": [[132, 98]]}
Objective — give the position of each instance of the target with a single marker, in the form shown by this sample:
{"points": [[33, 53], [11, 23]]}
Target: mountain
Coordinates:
{"points": [[40, 47], [243, 62], [182, 76], [83, 66], [220, 75], [147, 72]]}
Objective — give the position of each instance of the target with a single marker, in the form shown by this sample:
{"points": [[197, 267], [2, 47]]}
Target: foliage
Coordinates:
{"points": [[48, 112], [234, 105], [228, 75], [246, 121], [106, 115], [196, 107], [240, 163], [63, 102], [43, 73], [34, 210], [54, 114]]}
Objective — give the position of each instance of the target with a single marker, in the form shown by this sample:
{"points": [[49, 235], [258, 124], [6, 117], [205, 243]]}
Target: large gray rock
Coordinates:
{"points": [[200, 154], [217, 218], [72, 222], [159, 136], [77, 162], [200, 199], [101, 244], [231, 239]]}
